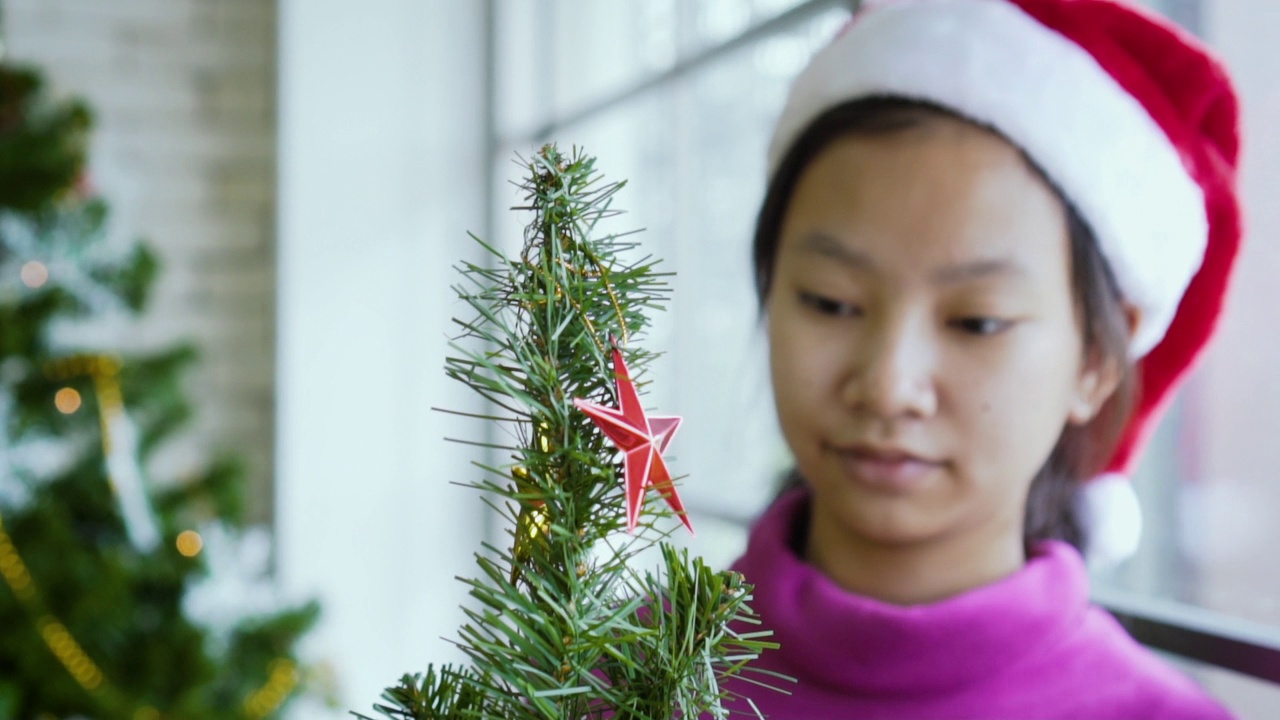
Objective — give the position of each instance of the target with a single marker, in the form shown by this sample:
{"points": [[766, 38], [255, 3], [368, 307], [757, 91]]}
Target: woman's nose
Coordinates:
{"points": [[892, 370]]}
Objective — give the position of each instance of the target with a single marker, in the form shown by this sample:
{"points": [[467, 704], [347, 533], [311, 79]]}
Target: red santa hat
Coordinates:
{"points": [[1132, 118]]}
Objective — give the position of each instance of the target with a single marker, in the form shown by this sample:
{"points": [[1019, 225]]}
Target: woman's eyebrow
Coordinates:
{"points": [[827, 246], [820, 243], [977, 270]]}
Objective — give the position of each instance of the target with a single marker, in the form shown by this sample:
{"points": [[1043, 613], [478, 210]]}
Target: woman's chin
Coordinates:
{"points": [[876, 519]]}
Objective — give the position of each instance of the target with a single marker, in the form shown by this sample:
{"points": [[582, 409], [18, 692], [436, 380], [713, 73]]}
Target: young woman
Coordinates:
{"points": [[997, 234]]}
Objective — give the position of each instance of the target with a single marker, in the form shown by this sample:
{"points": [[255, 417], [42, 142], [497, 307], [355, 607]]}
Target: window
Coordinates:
{"points": [[691, 143], [680, 98]]}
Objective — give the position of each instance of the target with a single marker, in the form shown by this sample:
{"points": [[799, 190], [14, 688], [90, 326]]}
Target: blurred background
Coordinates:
{"points": [[306, 172]]}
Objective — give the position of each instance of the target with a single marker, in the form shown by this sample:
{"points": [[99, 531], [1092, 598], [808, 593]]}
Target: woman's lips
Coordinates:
{"points": [[886, 470]]}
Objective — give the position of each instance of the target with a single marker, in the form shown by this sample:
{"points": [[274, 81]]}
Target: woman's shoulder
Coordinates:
{"points": [[1124, 679]]}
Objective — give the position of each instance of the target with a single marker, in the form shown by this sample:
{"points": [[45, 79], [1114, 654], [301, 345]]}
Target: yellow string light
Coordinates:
{"points": [[189, 543], [67, 400]]}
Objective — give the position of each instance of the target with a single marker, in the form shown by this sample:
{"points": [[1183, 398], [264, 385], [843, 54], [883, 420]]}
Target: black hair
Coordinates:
{"points": [[1081, 451]]}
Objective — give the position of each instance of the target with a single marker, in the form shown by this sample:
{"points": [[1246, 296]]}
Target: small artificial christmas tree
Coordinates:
{"points": [[565, 626], [101, 578]]}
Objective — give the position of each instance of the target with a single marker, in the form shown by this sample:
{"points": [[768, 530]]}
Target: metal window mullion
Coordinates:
{"points": [[1187, 13], [493, 525], [681, 68]]}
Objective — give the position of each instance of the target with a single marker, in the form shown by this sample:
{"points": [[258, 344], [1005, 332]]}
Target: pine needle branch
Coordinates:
{"points": [[564, 625]]}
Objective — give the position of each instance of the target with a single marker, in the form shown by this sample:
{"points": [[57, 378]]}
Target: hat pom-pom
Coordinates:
{"points": [[1112, 519]]}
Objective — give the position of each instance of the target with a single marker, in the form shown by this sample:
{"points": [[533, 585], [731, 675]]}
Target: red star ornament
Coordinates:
{"points": [[642, 439]]}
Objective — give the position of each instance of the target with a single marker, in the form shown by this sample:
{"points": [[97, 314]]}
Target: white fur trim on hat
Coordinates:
{"points": [[991, 62], [1112, 519]]}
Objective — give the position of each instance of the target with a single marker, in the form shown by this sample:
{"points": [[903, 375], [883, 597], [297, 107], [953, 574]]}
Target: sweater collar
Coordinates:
{"points": [[855, 644]]}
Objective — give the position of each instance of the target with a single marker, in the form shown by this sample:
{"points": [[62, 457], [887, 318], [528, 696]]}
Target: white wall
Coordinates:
{"points": [[381, 173]]}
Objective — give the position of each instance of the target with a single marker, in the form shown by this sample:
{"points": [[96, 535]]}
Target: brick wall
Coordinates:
{"points": [[184, 151]]}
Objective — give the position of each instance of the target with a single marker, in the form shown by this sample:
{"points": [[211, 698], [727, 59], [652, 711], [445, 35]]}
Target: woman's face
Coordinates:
{"points": [[924, 339]]}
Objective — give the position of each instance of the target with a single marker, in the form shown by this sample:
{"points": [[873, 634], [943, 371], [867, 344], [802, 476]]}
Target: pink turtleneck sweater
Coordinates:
{"points": [[1027, 647]]}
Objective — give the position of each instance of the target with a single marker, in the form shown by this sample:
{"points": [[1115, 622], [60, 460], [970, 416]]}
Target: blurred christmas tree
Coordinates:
{"points": [[567, 624], [117, 599]]}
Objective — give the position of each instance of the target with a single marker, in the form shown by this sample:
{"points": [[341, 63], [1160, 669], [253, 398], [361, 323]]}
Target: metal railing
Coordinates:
{"points": [[1197, 634]]}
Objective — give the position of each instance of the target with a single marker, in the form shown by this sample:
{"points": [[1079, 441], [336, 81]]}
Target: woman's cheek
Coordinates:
{"points": [[802, 369], [818, 356], [1015, 407]]}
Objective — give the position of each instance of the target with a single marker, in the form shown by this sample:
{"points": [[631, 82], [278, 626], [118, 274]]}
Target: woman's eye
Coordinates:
{"points": [[827, 306], [982, 325]]}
